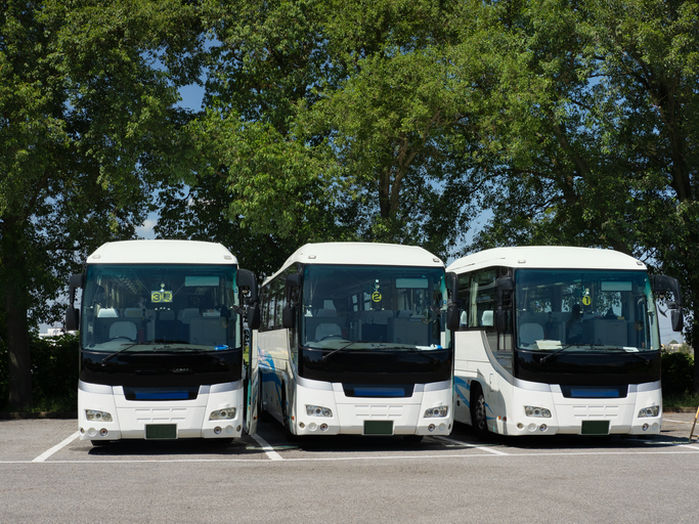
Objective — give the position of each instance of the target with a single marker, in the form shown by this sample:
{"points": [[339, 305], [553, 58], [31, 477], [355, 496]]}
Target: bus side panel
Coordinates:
{"points": [[469, 356], [275, 369]]}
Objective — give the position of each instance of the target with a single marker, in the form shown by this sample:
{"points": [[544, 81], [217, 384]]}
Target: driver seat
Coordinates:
{"points": [[327, 330], [123, 329]]}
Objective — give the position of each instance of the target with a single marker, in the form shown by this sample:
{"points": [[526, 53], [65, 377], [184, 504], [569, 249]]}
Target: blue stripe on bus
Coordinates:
{"points": [[161, 395], [378, 392]]}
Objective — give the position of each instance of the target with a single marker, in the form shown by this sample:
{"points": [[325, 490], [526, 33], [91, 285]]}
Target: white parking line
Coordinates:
{"points": [[46, 454], [468, 456], [466, 444], [267, 448]]}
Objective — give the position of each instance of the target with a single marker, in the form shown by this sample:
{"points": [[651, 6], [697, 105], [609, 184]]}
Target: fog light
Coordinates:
{"points": [[644, 427], [520, 425], [302, 425], [223, 414], [543, 427], [536, 411], [312, 426], [218, 430], [430, 427], [94, 414], [442, 427], [531, 427], [104, 432], [650, 411], [323, 427], [92, 432]]}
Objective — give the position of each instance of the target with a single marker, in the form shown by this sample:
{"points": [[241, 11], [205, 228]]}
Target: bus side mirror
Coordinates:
{"points": [[288, 317], [253, 316], [501, 320], [293, 281], [72, 319], [72, 314], [247, 280], [453, 316], [504, 287], [677, 319], [662, 284]]}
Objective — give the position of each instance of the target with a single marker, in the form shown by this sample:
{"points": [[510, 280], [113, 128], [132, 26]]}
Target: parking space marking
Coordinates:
{"points": [[466, 444], [483, 452], [46, 454], [267, 448]]}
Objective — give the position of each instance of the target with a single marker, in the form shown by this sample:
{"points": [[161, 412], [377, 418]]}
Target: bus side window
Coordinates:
{"points": [[485, 302], [462, 299]]}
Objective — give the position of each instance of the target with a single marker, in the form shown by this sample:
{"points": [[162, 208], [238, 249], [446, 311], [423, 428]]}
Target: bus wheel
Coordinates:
{"points": [[478, 414]]}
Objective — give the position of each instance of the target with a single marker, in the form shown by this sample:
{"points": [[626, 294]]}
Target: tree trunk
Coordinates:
{"points": [[14, 282], [20, 396]]}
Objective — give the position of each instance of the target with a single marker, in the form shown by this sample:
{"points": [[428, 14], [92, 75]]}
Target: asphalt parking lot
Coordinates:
{"points": [[47, 474]]}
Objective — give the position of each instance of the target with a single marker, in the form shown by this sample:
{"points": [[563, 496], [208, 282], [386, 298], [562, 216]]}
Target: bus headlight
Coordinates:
{"points": [[102, 416], [440, 411], [318, 411], [223, 414], [536, 411], [651, 411]]}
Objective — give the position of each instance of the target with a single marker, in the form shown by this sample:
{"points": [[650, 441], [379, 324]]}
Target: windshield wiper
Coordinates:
{"points": [[336, 350], [591, 346], [114, 354], [556, 352]]}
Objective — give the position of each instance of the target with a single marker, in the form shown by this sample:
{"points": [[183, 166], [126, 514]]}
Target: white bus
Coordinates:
{"points": [[352, 341], [161, 342], [558, 340]]}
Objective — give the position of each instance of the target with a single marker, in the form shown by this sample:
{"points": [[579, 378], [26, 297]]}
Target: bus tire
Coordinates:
{"points": [[479, 420]]}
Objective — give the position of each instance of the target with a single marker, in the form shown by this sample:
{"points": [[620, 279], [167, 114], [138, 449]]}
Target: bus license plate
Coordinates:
{"points": [[161, 431], [595, 427], [378, 427]]}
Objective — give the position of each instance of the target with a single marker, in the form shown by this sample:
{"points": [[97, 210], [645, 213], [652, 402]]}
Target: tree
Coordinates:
{"points": [[610, 136], [86, 123], [342, 120]]}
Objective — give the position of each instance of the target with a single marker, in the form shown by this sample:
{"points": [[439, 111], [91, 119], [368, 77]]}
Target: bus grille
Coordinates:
{"points": [[377, 411]]}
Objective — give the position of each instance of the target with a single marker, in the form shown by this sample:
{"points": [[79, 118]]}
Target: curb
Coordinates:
{"points": [[22, 415]]}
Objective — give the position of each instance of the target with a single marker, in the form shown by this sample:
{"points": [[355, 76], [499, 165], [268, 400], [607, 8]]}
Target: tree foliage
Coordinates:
{"points": [[610, 152], [571, 121], [86, 103]]}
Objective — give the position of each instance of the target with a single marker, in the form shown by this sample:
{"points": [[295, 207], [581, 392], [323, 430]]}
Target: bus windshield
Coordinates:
{"points": [[160, 308], [373, 308], [585, 310]]}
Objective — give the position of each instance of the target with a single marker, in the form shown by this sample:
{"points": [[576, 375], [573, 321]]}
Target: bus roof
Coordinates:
{"points": [[559, 257], [362, 253], [161, 252]]}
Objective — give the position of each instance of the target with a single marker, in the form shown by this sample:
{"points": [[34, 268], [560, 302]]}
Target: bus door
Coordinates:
{"points": [[252, 383], [248, 285]]}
